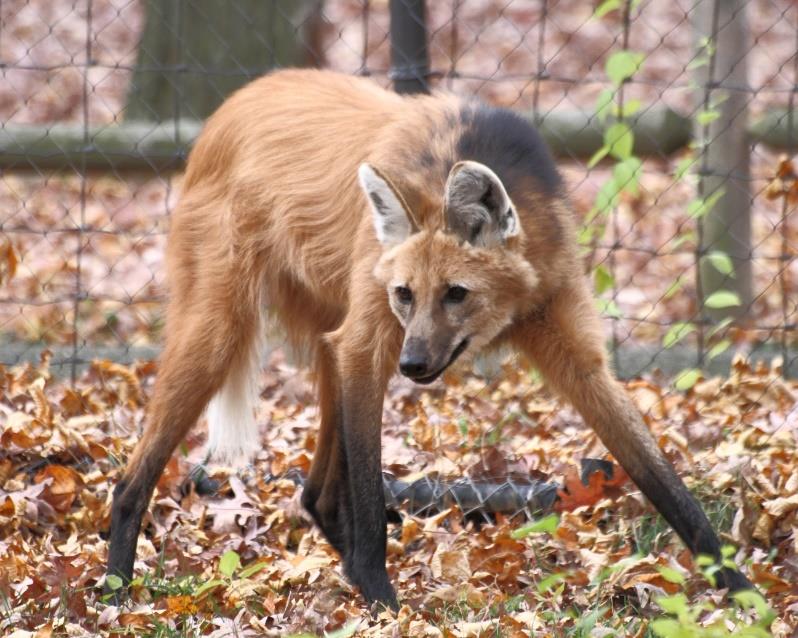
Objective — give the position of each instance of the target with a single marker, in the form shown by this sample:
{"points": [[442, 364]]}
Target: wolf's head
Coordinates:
{"points": [[456, 284]]}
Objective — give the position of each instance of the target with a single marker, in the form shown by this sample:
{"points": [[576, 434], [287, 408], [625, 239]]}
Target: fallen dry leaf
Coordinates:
{"points": [[576, 494], [62, 486]]}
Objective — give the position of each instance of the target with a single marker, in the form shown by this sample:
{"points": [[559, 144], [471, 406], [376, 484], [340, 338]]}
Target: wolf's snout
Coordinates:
{"points": [[414, 360], [413, 367]]}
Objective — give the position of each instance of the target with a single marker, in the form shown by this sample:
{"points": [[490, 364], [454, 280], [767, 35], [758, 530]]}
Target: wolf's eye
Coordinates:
{"points": [[404, 294], [455, 294]]}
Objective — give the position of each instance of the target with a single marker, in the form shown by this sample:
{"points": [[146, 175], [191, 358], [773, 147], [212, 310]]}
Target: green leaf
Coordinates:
{"points": [[754, 631], [686, 379], [681, 239], [670, 574], [673, 288], [586, 622], [719, 348], [619, 139], [628, 108], [695, 208], [749, 599], [605, 7], [707, 43], [676, 333], [670, 628], [622, 65], [608, 308], [585, 236], [208, 586], [721, 262], [228, 563], [546, 524], [252, 569], [676, 604], [627, 174], [700, 207], [550, 581], [697, 63], [723, 323], [598, 156], [718, 98], [344, 632], [113, 582], [629, 561], [705, 117], [603, 279], [604, 103], [722, 299], [608, 196], [710, 201], [709, 573], [683, 166]]}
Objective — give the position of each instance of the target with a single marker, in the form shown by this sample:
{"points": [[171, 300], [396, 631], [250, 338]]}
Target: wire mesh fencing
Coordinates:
{"points": [[668, 119]]}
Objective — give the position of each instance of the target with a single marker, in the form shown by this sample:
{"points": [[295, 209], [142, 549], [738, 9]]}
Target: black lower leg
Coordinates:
{"points": [[365, 563], [130, 503], [131, 498], [327, 500], [680, 508], [331, 513]]}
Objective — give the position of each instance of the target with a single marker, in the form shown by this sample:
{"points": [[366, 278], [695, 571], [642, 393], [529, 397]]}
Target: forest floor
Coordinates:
{"points": [[247, 561]]}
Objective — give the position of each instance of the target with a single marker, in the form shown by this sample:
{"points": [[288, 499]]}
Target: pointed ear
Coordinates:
{"points": [[476, 206], [392, 219]]}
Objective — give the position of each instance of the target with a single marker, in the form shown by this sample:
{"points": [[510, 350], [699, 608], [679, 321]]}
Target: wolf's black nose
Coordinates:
{"points": [[413, 365]]}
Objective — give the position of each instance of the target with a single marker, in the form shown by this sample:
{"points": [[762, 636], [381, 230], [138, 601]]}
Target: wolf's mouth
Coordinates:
{"points": [[426, 380]]}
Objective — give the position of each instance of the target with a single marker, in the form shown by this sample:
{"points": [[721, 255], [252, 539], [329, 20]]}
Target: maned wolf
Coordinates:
{"points": [[380, 231]]}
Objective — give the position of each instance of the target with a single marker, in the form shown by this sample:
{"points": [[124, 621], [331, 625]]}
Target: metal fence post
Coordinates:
{"points": [[721, 128], [409, 56]]}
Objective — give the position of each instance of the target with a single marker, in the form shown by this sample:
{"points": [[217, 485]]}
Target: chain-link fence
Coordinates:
{"points": [[667, 117]]}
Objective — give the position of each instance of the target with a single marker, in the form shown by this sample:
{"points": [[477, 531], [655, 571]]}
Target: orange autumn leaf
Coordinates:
{"points": [[785, 167], [784, 184], [64, 488], [7, 507], [651, 578], [21, 439], [132, 394], [171, 475], [44, 412], [764, 576], [180, 605], [137, 620], [575, 493], [8, 262], [80, 402]]}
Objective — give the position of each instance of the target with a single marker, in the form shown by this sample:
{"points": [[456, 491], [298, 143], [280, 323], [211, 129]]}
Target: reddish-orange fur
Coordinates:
{"points": [[272, 220]]}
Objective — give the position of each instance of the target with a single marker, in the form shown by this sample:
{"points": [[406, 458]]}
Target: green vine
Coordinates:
{"points": [[615, 114]]}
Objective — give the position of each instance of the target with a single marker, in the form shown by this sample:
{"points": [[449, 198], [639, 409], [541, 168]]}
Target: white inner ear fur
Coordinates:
{"points": [[391, 220], [477, 206]]}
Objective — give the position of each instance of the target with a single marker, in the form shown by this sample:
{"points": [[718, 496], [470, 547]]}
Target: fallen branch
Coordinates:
{"points": [[474, 497], [429, 495]]}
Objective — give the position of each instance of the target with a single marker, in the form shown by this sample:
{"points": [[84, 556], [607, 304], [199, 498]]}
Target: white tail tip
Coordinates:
{"points": [[233, 436]]}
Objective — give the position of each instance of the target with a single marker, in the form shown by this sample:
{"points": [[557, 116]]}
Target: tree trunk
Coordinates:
{"points": [[194, 53], [727, 226]]}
